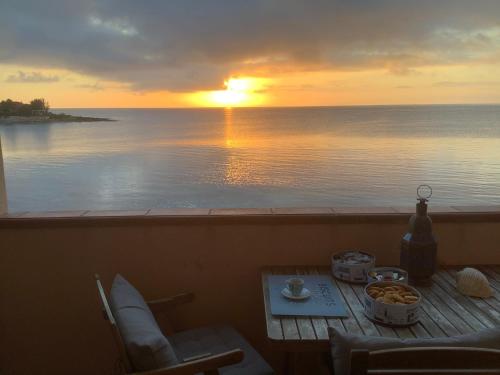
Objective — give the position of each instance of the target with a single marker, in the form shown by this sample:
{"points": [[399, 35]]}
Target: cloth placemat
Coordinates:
{"points": [[324, 301]]}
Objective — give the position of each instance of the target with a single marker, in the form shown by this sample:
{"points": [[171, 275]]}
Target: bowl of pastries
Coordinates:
{"points": [[392, 303]]}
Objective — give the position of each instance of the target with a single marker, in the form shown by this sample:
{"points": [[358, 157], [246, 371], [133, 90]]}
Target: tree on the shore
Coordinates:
{"points": [[39, 105], [35, 108]]}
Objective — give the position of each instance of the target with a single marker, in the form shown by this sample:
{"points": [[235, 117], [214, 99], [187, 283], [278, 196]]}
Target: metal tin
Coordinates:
{"points": [[388, 274], [352, 266], [392, 314]]}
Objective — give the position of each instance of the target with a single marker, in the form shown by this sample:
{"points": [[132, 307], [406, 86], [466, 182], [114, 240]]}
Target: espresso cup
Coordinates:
{"points": [[295, 286]]}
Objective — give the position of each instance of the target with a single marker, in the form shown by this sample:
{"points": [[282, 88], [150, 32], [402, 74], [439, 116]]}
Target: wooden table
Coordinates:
{"points": [[444, 312]]}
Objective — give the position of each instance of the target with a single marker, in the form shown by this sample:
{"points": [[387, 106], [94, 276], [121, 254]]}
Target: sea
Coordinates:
{"points": [[255, 157]]}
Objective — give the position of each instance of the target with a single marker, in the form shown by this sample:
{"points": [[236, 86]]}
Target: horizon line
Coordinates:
{"points": [[296, 106]]}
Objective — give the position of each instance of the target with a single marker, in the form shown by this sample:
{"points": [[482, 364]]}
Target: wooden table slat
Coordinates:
{"points": [[306, 329], [274, 329], [430, 325], [419, 331], [290, 329], [496, 269], [404, 332], [483, 316], [450, 315], [489, 305], [338, 324], [466, 315], [350, 323], [288, 324], [438, 318], [320, 324], [357, 309]]}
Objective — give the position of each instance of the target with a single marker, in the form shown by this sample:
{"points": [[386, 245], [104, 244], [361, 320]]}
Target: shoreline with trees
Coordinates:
{"points": [[37, 111]]}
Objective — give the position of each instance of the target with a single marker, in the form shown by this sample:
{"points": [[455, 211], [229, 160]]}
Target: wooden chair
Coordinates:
{"points": [[205, 363], [425, 360]]}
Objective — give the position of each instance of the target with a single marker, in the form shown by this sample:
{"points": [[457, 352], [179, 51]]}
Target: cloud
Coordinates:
{"points": [[33, 77], [183, 45], [92, 87], [466, 84]]}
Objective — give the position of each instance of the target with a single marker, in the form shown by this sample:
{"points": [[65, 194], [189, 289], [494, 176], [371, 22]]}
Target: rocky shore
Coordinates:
{"points": [[51, 117]]}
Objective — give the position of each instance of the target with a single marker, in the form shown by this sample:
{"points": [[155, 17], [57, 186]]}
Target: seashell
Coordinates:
{"points": [[472, 282]]}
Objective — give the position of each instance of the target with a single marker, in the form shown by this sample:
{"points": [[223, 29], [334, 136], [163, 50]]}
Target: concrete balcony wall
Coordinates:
{"points": [[50, 321]]}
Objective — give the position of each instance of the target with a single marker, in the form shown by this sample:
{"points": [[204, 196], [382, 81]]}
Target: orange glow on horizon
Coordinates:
{"points": [[474, 83]]}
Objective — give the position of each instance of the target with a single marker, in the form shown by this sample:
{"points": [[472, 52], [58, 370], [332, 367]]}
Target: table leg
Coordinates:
{"points": [[327, 359], [290, 363]]}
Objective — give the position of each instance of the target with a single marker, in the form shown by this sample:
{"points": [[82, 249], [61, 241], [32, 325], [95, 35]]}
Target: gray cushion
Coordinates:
{"points": [[147, 347], [216, 340], [123, 294], [342, 344]]}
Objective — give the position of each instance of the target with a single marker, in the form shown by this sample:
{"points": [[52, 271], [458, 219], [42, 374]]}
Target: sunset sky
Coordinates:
{"points": [[184, 53]]}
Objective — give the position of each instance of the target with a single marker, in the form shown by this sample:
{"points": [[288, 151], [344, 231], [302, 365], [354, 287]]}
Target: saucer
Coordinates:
{"points": [[306, 293]]}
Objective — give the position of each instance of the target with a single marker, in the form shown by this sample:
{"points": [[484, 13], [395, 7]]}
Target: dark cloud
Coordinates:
{"points": [[33, 77], [188, 44]]}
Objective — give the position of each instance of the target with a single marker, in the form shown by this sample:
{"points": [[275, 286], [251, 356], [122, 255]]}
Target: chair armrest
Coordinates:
{"points": [[208, 365], [163, 304]]}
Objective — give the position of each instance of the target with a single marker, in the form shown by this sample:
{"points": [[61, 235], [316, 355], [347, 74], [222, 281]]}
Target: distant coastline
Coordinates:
{"points": [[50, 117], [37, 111]]}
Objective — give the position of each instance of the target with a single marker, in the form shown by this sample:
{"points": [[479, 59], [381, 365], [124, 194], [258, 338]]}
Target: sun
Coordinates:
{"points": [[238, 92]]}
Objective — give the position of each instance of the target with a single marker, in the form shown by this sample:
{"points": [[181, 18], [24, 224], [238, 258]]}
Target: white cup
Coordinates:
{"points": [[295, 286]]}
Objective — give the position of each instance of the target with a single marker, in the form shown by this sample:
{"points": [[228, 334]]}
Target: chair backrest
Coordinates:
{"points": [[108, 315], [429, 360]]}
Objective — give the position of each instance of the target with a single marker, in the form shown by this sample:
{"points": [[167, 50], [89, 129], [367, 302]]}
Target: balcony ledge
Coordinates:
{"points": [[254, 215]]}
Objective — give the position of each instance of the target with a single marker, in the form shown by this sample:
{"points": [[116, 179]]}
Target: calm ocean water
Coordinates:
{"points": [[296, 157]]}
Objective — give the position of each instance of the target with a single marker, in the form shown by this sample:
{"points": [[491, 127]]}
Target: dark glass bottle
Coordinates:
{"points": [[419, 247]]}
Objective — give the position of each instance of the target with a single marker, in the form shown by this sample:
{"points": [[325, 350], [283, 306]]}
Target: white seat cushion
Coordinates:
{"points": [[342, 344]]}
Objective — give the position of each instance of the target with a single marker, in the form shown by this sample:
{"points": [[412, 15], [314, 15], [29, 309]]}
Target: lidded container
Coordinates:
{"points": [[352, 265], [387, 274], [419, 246], [391, 303]]}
